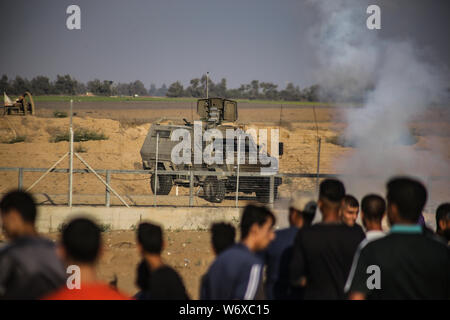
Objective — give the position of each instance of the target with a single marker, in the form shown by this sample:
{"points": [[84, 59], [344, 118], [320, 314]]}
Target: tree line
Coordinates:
{"points": [[254, 90], [67, 85]]}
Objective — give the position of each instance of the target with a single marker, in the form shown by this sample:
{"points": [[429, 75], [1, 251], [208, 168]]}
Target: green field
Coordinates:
{"points": [[57, 98]]}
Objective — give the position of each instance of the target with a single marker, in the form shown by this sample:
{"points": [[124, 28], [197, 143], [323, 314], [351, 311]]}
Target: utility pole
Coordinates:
{"points": [[207, 80]]}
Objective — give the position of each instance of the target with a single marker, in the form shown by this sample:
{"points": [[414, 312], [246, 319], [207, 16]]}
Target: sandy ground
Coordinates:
{"points": [[126, 126]]}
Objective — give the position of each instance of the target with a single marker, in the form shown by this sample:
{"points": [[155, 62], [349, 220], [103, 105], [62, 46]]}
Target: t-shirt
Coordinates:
{"points": [[371, 236], [277, 258], [374, 235], [29, 269], [323, 253], [88, 291], [236, 274], [410, 265], [165, 284]]}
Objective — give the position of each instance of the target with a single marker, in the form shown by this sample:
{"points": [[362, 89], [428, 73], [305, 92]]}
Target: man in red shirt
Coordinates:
{"points": [[80, 249]]}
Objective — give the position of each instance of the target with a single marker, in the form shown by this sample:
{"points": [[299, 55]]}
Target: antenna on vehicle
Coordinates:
{"points": [[207, 80]]}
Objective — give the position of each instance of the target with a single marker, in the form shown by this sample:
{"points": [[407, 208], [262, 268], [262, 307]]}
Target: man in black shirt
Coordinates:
{"points": [[323, 253], [157, 280], [29, 266], [278, 255], [407, 263]]}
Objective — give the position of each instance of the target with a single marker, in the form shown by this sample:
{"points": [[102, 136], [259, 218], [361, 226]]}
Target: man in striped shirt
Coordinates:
{"points": [[236, 274]]}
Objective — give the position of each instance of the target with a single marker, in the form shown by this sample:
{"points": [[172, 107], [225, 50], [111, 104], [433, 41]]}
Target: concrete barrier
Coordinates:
{"points": [[51, 218]]}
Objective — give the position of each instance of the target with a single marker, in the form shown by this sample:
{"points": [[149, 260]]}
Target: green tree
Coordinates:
{"points": [[290, 93], [41, 85], [137, 87], [4, 84], [269, 90], [161, 92], [221, 88], [311, 93], [100, 88], [194, 90], [175, 90], [20, 85], [152, 91], [65, 85]]}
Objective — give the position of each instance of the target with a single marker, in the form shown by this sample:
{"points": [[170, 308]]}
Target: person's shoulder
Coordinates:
{"points": [[358, 228], [236, 255], [96, 291], [436, 241], [37, 241], [166, 272], [62, 293], [286, 231], [284, 235]]}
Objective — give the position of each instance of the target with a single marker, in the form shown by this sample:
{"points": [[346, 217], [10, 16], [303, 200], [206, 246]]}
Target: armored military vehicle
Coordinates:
{"points": [[218, 114]]}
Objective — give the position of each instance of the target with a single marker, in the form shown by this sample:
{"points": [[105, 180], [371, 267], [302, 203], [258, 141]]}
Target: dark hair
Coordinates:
{"points": [[223, 235], [254, 214], [21, 201], [308, 215], [373, 207], [81, 239], [408, 195], [332, 189], [442, 213], [351, 201], [150, 237]]}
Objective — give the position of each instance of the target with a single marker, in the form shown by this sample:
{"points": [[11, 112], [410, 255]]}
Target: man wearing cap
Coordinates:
{"points": [[277, 257]]}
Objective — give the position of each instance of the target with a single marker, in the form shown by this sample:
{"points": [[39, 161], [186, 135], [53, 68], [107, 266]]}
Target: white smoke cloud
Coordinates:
{"points": [[402, 86]]}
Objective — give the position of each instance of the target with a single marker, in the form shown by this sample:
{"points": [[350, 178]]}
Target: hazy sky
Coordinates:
{"points": [[161, 41]]}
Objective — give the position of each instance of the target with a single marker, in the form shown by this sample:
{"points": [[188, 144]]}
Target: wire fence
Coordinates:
{"points": [[182, 188]]}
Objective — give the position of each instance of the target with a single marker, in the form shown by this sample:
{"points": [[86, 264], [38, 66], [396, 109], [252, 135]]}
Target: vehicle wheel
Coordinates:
{"points": [[214, 189], [263, 195], [163, 184]]}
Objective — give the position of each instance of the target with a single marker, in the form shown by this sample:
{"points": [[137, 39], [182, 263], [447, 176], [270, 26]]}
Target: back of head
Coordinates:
{"points": [[150, 238], [409, 196], [81, 239], [222, 236], [254, 214], [373, 207], [442, 213], [350, 201], [331, 192], [22, 202]]}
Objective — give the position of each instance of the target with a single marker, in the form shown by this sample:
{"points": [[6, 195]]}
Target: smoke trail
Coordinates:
{"points": [[395, 84]]}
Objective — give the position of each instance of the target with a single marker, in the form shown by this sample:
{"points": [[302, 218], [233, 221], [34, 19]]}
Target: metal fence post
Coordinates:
{"points": [[20, 179], [108, 193], [238, 169], [191, 188], [271, 190], [319, 140], [156, 168]]}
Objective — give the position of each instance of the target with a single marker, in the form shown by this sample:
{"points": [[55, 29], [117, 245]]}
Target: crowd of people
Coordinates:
{"points": [[335, 258]]}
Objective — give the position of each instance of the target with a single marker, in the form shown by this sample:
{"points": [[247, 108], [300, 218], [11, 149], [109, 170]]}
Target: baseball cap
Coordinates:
{"points": [[303, 202]]}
